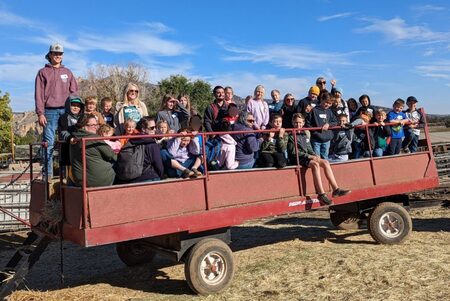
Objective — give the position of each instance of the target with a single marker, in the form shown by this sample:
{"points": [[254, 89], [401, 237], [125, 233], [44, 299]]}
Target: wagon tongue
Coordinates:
{"points": [[22, 262]]}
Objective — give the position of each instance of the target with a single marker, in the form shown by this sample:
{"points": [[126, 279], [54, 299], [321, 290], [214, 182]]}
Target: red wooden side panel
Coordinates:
{"points": [[119, 205], [233, 188], [402, 169], [73, 206], [353, 174], [37, 201]]}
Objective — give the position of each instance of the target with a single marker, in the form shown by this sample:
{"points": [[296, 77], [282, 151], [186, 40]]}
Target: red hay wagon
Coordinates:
{"points": [[190, 219]]}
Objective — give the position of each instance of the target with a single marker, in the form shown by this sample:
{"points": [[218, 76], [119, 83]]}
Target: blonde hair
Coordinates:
{"points": [[259, 87], [104, 129], [381, 112], [188, 106], [129, 87], [129, 121], [91, 99]]}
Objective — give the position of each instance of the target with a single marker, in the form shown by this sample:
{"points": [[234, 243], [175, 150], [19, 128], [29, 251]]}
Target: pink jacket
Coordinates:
{"points": [[52, 87], [228, 153]]}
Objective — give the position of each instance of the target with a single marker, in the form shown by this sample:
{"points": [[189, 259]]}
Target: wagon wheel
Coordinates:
{"points": [[389, 223], [209, 267], [134, 252], [346, 220]]}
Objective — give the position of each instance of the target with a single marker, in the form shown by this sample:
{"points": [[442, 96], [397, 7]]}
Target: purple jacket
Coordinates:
{"points": [[52, 87], [246, 144]]}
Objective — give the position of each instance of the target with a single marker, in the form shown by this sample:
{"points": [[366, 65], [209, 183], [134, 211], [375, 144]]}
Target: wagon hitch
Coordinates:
{"points": [[22, 262]]}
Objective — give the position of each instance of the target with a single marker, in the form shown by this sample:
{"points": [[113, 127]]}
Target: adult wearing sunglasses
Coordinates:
{"points": [[99, 156], [130, 108], [247, 144], [322, 83], [153, 168], [54, 83]]}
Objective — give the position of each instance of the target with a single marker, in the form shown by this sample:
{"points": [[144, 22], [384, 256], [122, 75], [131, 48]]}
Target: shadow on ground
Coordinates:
{"points": [[102, 265]]}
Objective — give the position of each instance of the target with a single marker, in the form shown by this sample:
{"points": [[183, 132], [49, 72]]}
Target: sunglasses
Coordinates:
{"points": [[323, 83], [135, 91], [290, 98], [251, 120], [151, 127], [57, 53]]}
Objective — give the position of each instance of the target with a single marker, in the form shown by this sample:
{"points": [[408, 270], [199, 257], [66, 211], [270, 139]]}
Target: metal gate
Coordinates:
{"points": [[14, 198]]}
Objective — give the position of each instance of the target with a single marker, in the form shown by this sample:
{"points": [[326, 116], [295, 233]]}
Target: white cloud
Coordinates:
{"points": [[427, 8], [157, 27], [139, 43], [10, 19], [336, 16], [288, 56], [145, 41], [397, 30], [437, 69], [159, 70], [16, 68], [429, 52]]}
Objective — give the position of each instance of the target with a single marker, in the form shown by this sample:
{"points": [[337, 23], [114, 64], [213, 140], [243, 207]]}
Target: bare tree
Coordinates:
{"points": [[110, 80]]}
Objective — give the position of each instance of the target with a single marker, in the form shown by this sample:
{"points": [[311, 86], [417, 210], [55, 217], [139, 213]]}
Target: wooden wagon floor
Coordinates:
{"points": [[291, 257]]}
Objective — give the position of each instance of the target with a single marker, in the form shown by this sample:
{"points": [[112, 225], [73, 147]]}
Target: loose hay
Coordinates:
{"points": [[298, 257]]}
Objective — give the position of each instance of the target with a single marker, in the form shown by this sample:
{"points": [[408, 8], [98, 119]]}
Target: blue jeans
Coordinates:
{"points": [[52, 116], [246, 165], [176, 173], [411, 141], [395, 146], [378, 152], [321, 148]]}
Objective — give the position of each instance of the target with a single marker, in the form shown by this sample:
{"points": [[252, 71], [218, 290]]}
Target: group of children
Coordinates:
{"points": [[181, 155]]}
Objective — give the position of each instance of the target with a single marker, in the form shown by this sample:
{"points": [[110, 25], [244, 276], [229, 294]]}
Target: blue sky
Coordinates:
{"points": [[386, 49]]}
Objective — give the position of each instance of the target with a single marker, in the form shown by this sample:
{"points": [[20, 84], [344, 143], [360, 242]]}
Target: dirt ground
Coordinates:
{"points": [[296, 257]]}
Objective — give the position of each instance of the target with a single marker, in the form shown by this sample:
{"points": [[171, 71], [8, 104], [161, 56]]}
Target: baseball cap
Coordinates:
{"points": [[411, 99], [56, 48]]}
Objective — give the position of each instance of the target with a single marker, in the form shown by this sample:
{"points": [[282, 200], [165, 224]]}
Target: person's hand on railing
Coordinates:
{"points": [[325, 127], [73, 140]]}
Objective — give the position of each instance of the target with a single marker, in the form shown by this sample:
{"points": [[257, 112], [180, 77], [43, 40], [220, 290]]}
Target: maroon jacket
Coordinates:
{"points": [[52, 87]]}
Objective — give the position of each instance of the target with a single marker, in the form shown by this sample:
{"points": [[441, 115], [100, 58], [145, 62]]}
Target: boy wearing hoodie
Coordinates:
{"points": [[364, 100], [74, 109], [53, 85], [273, 151], [322, 117]]}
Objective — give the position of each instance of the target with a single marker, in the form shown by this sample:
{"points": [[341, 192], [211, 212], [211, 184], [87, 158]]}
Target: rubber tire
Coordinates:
{"points": [[374, 219], [193, 262], [134, 253], [343, 220]]}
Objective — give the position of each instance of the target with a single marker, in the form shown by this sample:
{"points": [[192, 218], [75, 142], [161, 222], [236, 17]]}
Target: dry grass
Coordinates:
{"points": [[296, 257]]}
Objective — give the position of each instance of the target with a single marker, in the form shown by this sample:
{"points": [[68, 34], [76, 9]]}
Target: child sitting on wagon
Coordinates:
{"points": [[130, 129], [105, 130], [307, 158], [184, 156], [274, 146]]}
